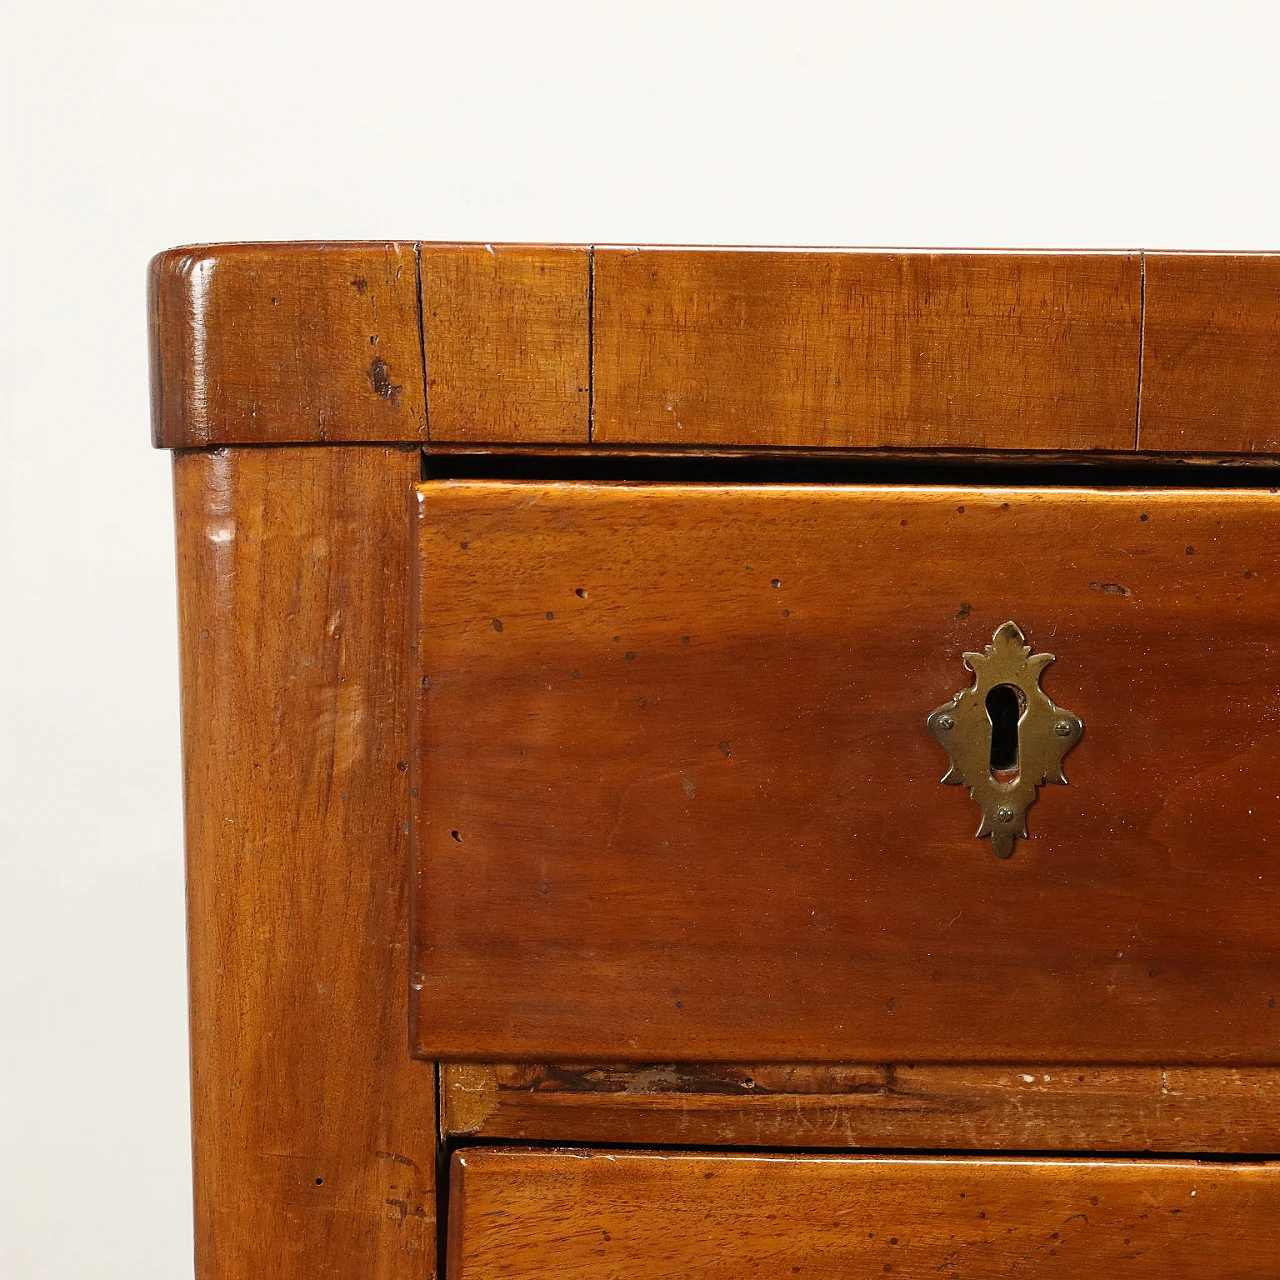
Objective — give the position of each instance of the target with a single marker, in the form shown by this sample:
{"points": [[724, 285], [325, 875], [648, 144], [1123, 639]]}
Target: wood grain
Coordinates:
{"points": [[680, 803], [1032, 1107], [285, 343], [583, 1215], [852, 348], [507, 334], [813, 349], [313, 1126], [1211, 343]]}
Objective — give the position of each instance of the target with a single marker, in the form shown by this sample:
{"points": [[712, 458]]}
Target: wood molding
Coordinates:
{"points": [[1032, 1107], [538, 346]]}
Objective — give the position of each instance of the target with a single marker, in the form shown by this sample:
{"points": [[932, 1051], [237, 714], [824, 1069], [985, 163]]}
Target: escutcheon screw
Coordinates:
{"points": [[1063, 728], [1004, 814], [945, 723]]}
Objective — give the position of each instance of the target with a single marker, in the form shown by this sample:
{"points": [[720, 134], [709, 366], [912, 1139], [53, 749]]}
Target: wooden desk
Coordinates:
{"points": [[571, 646]]}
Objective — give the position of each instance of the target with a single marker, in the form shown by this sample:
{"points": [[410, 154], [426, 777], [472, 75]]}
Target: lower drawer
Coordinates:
{"points": [[583, 1215]]}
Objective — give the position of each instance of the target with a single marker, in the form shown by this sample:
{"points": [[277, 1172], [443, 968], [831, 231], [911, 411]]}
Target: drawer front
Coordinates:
{"points": [[579, 1215], [678, 801]]}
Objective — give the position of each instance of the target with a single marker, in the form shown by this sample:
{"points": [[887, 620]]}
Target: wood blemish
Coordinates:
{"points": [[393, 1155], [379, 375]]}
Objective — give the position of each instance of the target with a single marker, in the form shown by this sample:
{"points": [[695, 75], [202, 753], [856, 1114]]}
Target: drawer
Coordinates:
{"points": [[678, 800], [583, 1215]]}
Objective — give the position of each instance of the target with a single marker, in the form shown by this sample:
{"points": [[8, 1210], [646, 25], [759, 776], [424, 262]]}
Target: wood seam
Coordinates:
{"points": [[1142, 346], [422, 342], [591, 344]]}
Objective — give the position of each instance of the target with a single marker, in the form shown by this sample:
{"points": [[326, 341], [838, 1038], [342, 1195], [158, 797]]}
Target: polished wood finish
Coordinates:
{"points": [[679, 802], [584, 1215], [506, 329], [313, 1126], [1032, 1107], [903, 349], [277, 344], [1211, 347], [715, 348], [680, 844]]}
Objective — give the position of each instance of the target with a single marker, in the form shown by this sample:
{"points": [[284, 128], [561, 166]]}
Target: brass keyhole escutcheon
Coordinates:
{"points": [[1004, 736]]}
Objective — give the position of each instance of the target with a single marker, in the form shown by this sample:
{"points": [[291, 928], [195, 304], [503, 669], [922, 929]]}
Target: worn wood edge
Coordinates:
{"points": [[176, 340], [1030, 1107], [169, 282], [847, 250], [455, 1208], [414, 515]]}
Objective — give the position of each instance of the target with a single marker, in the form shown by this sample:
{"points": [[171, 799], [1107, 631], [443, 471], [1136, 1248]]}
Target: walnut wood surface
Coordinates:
{"points": [[1033, 1107], [823, 348], [583, 1215], [715, 348], [680, 804], [506, 329], [274, 344], [1211, 345], [313, 1126]]}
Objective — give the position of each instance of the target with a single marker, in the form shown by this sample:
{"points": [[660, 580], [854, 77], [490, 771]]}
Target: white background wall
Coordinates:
{"points": [[135, 125]]}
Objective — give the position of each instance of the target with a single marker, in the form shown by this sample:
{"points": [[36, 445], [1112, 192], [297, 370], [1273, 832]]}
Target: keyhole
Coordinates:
{"points": [[1004, 706]]}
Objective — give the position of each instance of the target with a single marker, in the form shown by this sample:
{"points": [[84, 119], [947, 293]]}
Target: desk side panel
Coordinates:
{"points": [[313, 1126]]}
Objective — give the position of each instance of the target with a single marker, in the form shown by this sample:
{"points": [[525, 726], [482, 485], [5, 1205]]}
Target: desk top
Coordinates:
{"points": [[657, 349]]}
